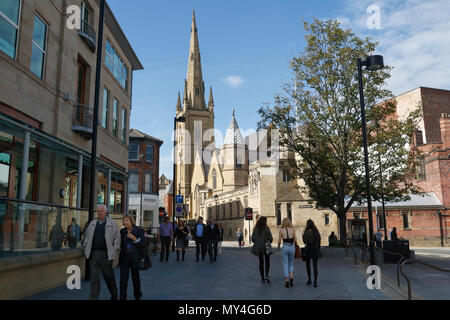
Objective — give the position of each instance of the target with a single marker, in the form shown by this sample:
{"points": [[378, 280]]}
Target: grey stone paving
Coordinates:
{"points": [[235, 276]]}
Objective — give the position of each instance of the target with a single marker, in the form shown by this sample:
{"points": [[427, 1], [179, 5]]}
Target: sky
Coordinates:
{"points": [[246, 46]]}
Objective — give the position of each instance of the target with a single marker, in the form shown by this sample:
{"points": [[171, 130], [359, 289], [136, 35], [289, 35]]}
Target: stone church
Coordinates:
{"points": [[221, 181]]}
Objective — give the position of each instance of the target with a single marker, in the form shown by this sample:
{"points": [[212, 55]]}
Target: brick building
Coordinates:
{"points": [[425, 220], [144, 172]]}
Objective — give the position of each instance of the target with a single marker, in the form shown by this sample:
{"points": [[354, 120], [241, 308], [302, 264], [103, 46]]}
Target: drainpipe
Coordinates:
{"points": [[440, 228]]}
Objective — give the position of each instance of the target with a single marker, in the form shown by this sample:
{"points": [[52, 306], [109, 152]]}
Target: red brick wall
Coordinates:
{"points": [[143, 166]]}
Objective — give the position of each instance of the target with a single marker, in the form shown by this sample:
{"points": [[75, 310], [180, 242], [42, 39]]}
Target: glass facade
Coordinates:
{"points": [[116, 66], [9, 26], [38, 47]]}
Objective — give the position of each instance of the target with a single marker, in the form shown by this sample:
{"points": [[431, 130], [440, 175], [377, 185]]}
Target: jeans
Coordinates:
{"points": [[127, 263], [287, 255], [165, 247], [219, 247], [212, 249], [98, 261], [240, 239]]}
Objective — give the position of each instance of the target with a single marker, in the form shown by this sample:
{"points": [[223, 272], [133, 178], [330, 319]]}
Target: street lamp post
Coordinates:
{"points": [[93, 176], [372, 63], [382, 194], [175, 120]]}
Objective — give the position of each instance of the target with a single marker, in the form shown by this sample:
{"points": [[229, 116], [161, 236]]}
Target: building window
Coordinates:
{"points": [[124, 124], [85, 13], [149, 182], [286, 176], [134, 181], [421, 172], [116, 65], [105, 113], [214, 176], [38, 47], [406, 215], [115, 116], [133, 154], [278, 212], [327, 219], [357, 215], [230, 205], [9, 26], [289, 211], [380, 221], [238, 208], [149, 150]]}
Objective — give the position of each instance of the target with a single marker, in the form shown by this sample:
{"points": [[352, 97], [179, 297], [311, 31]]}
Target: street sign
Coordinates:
{"points": [[179, 199], [248, 214], [179, 212]]}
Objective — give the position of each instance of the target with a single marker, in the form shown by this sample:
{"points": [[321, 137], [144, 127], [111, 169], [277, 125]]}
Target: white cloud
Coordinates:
{"points": [[414, 39], [234, 80]]}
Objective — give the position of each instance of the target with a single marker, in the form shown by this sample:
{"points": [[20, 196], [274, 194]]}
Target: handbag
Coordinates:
{"points": [[267, 245], [298, 253], [144, 261]]}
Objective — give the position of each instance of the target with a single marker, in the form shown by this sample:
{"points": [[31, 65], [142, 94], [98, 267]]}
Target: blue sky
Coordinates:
{"points": [[246, 46]]}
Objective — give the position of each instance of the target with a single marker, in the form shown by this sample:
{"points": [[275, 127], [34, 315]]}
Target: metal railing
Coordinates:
{"points": [[83, 119], [87, 32], [421, 262]]}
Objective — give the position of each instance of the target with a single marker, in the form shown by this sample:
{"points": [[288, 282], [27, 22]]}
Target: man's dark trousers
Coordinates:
{"points": [[200, 243], [165, 247], [98, 261], [212, 249]]}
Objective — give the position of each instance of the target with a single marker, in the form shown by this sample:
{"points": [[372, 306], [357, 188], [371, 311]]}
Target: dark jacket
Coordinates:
{"points": [[212, 234], [194, 231], [221, 234], [138, 232], [180, 233], [259, 239]]}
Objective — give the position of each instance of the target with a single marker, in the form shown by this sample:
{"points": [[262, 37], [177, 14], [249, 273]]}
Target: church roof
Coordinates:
{"points": [[233, 135]]}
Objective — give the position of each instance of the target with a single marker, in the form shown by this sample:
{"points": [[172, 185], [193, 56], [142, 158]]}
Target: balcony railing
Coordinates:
{"points": [[82, 120], [87, 32]]}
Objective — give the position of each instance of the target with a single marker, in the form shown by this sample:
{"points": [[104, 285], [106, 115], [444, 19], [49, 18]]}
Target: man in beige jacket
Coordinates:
{"points": [[101, 246]]}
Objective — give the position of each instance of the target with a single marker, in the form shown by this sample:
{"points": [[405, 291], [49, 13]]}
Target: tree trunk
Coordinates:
{"points": [[343, 229]]}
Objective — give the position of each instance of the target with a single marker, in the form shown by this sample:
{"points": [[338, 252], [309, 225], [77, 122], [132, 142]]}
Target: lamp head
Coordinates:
{"points": [[374, 63]]}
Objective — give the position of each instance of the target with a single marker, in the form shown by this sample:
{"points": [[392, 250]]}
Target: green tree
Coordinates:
{"points": [[319, 118]]}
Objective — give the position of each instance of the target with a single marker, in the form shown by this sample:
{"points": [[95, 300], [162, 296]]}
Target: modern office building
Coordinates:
{"points": [[46, 108]]}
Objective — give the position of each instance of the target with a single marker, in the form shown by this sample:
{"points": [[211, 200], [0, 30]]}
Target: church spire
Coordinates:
{"points": [[195, 84], [211, 100], [179, 102]]}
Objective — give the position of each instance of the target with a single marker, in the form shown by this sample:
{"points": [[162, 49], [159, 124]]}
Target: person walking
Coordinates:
{"points": [[394, 236], [73, 234], [212, 238], [132, 241], [261, 235], [182, 240], [333, 240], [287, 234], [311, 237], [378, 239], [198, 235], [102, 241], [165, 236], [240, 237], [219, 247]]}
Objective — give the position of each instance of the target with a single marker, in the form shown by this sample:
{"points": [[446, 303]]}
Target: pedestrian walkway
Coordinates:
{"points": [[235, 276]]}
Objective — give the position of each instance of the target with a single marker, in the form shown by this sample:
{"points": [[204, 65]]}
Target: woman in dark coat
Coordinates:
{"points": [[182, 240], [261, 234], [311, 237], [132, 242]]}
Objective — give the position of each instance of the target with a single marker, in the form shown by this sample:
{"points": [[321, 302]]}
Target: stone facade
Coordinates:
{"points": [[222, 181]]}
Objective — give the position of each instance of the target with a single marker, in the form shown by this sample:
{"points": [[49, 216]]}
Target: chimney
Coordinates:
{"points": [[418, 138], [445, 130]]}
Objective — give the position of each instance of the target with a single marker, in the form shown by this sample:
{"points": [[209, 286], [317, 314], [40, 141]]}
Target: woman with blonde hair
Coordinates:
{"points": [[287, 234]]}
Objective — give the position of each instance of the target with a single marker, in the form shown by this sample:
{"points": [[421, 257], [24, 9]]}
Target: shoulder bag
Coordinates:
{"points": [[267, 245]]}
